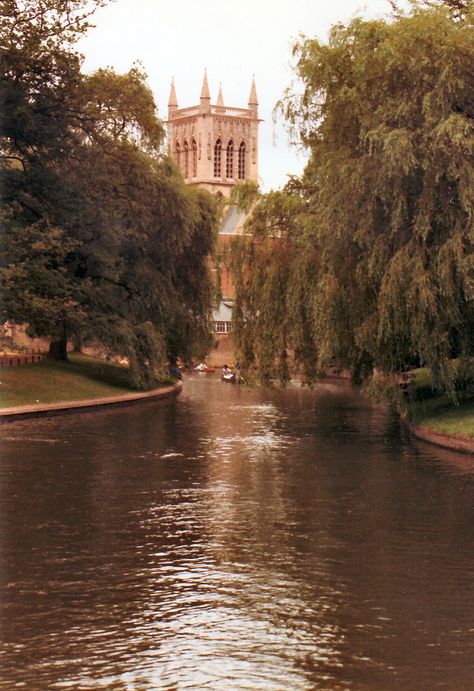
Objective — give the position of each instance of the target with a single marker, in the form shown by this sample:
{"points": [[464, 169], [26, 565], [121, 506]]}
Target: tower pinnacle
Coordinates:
{"points": [[205, 87], [172, 101], [253, 100], [220, 98], [214, 145], [205, 106]]}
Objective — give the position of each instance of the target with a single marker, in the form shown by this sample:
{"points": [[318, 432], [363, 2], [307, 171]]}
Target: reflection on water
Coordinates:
{"points": [[235, 539]]}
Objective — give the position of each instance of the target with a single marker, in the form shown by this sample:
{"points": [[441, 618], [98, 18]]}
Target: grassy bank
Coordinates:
{"points": [[437, 412], [50, 381], [453, 420]]}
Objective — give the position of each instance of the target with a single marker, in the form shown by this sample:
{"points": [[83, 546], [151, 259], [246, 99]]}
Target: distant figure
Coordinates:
{"points": [[176, 372], [227, 375]]}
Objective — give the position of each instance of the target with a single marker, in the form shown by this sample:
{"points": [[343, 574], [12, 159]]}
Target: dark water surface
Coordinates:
{"points": [[235, 539]]}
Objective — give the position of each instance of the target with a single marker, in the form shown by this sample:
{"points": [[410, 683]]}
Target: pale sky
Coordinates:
{"points": [[234, 41]]}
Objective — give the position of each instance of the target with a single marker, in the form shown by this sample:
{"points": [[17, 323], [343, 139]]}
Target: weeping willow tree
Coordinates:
{"points": [[273, 281], [371, 265]]}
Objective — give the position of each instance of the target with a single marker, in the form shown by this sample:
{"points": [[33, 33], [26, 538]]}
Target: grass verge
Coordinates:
{"points": [[50, 381], [438, 412], [453, 420]]}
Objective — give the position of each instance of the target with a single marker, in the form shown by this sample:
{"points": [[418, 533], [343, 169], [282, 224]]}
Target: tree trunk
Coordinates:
{"points": [[58, 346], [78, 343]]}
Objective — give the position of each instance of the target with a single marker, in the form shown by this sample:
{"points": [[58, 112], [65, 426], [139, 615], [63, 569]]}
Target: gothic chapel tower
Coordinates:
{"points": [[215, 146]]}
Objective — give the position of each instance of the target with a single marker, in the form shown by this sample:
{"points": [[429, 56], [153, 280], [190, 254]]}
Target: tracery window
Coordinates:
{"points": [[194, 157], [241, 161], [229, 164], [178, 154], [217, 158], [186, 160]]}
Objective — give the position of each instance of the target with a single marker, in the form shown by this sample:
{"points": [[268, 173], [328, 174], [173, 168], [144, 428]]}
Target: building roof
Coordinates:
{"points": [[223, 313], [233, 222]]}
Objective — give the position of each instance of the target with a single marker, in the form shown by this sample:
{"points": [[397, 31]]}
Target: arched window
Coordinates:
{"points": [[229, 162], [178, 154], [186, 160], [217, 158], [241, 168], [194, 163]]}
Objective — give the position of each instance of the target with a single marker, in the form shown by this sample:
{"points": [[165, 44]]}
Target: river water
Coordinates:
{"points": [[235, 538]]}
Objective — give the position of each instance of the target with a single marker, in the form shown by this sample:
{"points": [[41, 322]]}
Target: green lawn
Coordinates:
{"points": [[453, 420], [50, 381], [438, 412]]}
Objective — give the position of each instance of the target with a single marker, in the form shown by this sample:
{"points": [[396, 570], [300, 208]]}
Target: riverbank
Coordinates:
{"points": [[453, 442], [52, 387], [436, 420]]}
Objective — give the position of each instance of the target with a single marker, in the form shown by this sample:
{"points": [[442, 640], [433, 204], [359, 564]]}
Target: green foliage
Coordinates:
{"points": [[244, 194], [379, 257], [120, 107], [384, 389], [102, 237], [36, 285], [459, 378], [271, 316], [457, 420]]}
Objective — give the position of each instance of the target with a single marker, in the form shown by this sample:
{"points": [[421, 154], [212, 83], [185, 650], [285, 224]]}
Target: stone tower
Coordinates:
{"points": [[215, 146]]}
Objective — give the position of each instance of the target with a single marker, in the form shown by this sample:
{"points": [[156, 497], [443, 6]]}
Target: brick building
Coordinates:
{"points": [[216, 146]]}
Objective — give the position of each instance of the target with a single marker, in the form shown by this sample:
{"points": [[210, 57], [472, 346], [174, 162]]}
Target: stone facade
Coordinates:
{"points": [[215, 146]]}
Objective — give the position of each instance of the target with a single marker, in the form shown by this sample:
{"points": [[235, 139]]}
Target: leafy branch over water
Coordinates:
{"points": [[366, 262], [102, 238]]}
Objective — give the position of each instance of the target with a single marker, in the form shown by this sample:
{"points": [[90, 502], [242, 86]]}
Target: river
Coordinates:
{"points": [[235, 538]]}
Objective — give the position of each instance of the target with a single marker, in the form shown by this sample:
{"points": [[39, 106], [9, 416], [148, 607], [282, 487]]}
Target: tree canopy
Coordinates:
{"points": [[367, 261], [102, 238]]}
